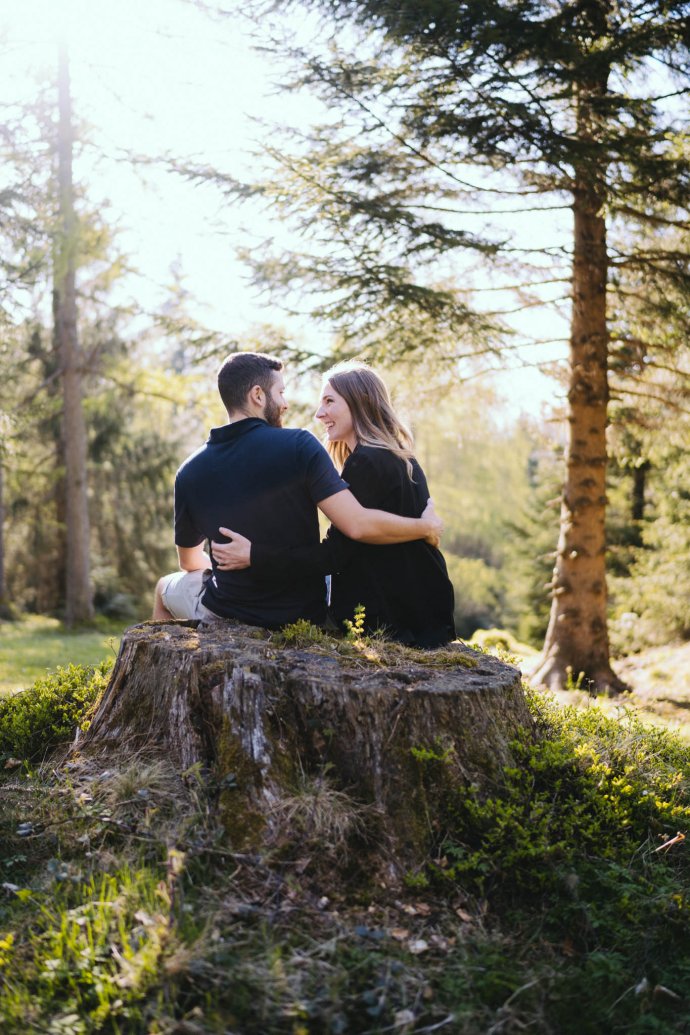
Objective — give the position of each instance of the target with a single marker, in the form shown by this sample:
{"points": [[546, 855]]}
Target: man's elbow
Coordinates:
{"points": [[192, 559]]}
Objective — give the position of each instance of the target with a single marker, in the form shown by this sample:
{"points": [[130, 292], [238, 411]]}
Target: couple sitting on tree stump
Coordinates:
{"points": [[252, 491]]}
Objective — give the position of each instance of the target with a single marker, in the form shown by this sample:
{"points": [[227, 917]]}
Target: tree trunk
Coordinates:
{"points": [[639, 485], [3, 589], [261, 721], [577, 645], [78, 595]]}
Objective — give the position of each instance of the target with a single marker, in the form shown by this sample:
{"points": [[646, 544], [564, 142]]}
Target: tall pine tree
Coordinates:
{"points": [[576, 105]]}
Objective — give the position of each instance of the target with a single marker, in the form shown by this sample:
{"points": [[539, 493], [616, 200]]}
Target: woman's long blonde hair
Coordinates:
{"points": [[374, 420]]}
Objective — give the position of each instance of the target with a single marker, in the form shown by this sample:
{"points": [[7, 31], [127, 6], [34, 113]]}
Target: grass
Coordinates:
{"points": [[36, 644]]}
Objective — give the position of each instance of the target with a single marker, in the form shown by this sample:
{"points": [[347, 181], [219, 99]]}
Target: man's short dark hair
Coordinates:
{"points": [[240, 372]]}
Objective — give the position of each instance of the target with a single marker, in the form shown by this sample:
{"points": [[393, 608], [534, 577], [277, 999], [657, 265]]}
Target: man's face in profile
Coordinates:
{"points": [[275, 405]]}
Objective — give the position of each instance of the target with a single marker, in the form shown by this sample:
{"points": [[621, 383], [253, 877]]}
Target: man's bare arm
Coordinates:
{"points": [[378, 526], [192, 558]]}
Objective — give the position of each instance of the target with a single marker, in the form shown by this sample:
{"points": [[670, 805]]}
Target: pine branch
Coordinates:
{"points": [[404, 142], [618, 394], [491, 211], [538, 303], [143, 393], [526, 286], [653, 218], [676, 371]]}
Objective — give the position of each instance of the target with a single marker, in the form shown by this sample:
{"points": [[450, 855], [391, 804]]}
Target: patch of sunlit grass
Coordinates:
{"points": [[37, 644]]}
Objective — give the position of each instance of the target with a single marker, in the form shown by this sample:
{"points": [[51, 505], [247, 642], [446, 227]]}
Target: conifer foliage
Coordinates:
{"points": [[448, 108]]}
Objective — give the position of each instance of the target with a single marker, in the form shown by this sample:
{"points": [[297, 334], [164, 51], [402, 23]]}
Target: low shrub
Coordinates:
{"points": [[33, 722], [582, 853], [588, 786]]}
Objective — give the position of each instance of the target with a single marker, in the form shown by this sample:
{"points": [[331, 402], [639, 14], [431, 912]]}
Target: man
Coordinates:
{"points": [[264, 481]]}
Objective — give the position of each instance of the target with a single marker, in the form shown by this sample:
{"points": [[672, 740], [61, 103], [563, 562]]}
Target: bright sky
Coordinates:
{"points": [[155, 77]]}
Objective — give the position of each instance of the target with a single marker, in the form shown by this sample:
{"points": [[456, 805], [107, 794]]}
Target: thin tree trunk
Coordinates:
{"points": [[577, 644], [3, 592], [639, 475], [78, 595]]}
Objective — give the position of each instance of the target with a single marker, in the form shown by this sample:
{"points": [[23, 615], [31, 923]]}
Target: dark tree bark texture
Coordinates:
{"points": [[225, 701]]}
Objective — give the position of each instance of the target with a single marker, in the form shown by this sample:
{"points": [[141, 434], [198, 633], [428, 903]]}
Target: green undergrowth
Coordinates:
{"points": [[34, 722], [557, 903], [581, 853]]}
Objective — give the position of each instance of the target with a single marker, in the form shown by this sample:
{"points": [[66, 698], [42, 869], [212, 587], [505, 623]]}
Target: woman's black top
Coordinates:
{"points": [[404, 588]]}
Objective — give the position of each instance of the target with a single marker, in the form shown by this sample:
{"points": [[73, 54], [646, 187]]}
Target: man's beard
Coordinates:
{"points": [[272, 413]]}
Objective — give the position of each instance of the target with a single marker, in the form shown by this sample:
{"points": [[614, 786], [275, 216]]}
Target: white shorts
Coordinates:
{"points": [[182, 591]]}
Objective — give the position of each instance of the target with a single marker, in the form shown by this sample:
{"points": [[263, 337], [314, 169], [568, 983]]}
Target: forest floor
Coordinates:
{"points": [[658, 678], [659, 681], [559, 904]]}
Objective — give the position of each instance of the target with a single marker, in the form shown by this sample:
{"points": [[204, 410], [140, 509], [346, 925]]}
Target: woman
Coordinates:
{"points": [[404, 588]]}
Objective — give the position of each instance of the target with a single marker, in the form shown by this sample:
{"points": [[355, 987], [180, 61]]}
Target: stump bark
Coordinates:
{"points": [[257, 718]]}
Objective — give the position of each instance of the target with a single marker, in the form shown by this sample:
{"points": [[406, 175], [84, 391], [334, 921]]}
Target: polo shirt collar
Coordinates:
{"points": [[229, 432]]}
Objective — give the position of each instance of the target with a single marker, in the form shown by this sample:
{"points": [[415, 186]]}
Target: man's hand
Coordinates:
{"points": [[435, 532], [234, 555]]}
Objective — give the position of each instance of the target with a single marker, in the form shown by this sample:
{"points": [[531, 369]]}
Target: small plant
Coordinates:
{"points": [[416, 881], [354, 630], [441, 755], [578, 682]]}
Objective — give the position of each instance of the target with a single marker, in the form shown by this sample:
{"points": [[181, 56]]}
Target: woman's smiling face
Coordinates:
{"points": [[336, 417]]}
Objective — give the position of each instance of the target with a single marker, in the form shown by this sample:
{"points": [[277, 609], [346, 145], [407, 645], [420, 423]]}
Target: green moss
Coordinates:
{"points": [[563, 798], [212, 674], [374, 650], [238, 778], [301, 634]]}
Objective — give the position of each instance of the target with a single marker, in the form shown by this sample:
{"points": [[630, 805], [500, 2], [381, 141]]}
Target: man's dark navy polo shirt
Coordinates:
{"points": [[264, 483]]}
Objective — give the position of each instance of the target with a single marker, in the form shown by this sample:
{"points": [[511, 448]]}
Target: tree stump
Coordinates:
{"points": [[260, 719]]}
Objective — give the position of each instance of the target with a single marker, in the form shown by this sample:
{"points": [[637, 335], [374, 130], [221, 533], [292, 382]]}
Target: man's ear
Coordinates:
{"points": [[257, 395]]}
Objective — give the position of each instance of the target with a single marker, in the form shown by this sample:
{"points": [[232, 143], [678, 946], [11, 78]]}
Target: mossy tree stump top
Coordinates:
{"points": [[393, 727]]}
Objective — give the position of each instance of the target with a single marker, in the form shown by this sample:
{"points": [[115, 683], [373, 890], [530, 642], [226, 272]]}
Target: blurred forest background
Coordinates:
{"points": [[143, 361]]}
